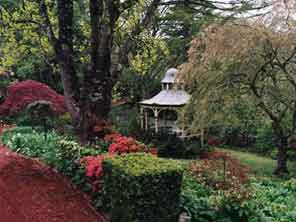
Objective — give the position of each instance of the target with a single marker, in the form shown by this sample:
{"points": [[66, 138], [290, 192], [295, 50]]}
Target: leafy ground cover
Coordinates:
{"points": [[269, 198]]}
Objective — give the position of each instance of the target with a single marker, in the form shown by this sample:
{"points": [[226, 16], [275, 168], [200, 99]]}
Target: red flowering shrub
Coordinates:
{"points": [[153, 151], [123, 144], [119, 145], [214, 142], [94, 169], [20, 95], [101, 128]]}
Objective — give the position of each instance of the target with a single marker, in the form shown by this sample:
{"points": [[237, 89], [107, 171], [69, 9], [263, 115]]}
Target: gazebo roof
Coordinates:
{"points": [[170, 76], [168, 98]]}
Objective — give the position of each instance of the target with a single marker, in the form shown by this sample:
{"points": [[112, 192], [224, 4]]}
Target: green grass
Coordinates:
{"points": [[261, 166]]}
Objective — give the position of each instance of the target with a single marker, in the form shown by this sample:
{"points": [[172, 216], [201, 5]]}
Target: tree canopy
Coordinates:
{"points": [[245, 61], [88, 43]]}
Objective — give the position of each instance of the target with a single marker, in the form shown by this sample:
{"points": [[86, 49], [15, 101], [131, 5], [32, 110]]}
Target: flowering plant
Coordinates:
{"points": [[94, 168], [214, 141], [119, 145], [123, 144], [223, 173]]}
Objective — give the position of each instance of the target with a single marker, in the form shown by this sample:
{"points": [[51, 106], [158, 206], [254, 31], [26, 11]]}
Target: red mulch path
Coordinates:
{"points": [[32, 192]]}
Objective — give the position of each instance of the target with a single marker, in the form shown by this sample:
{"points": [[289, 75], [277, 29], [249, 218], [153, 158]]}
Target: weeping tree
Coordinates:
{"points": [[244, 61], [107, 32]]}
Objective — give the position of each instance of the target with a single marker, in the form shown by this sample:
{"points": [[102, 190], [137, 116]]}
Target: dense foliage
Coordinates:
{"points": [[172, 146], [20, 95], [142, 187], [268, 201]]}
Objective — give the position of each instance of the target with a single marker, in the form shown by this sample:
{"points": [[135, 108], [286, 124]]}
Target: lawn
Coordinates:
{"points": [[261, 166]]}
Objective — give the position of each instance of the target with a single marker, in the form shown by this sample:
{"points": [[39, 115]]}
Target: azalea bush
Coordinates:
{"points": [[117, 145], [123, 144], [4, 126]]}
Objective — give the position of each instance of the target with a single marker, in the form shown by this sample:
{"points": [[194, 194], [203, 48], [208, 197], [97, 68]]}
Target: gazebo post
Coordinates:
{"points": [[142, 117], [156, 120], [146, 119]]}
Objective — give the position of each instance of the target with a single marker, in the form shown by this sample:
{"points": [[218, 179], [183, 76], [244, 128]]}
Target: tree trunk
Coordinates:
{"points": [[282, 144], [282, 167], [96, 95]]}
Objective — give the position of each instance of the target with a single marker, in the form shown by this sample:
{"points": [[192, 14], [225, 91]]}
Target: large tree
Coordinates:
{"points": [[112, 29], [245, 61]]}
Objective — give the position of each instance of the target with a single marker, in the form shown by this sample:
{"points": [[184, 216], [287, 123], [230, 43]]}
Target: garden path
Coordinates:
{"points": [[30, 191]]}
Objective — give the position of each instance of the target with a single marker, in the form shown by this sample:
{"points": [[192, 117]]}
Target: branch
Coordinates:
{"points": [[27, 21], [47, 25], [283, 67], [228, 6], [138, 28], [254, 89], [127, 4], [129, 43]]}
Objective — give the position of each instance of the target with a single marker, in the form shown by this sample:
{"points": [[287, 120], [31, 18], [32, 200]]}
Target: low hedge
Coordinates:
{"points": [[142, 187]]}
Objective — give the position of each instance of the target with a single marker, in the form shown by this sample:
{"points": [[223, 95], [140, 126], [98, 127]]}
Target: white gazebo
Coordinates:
{"points": [[168, 102]]}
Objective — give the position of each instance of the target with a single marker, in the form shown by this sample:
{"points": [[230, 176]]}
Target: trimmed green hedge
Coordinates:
{"points": [[143, 188]]}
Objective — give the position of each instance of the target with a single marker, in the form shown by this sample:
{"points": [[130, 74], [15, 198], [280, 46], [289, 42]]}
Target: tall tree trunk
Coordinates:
{"points": [[282, 144], [97, 88], [65, 55]]}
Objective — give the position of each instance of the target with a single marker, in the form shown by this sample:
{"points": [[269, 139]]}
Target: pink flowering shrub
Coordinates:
{"points": [[94, 169], [119, 145], [125, 145]]}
